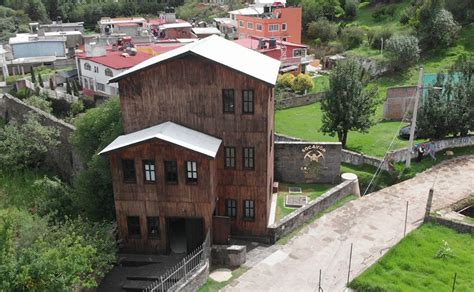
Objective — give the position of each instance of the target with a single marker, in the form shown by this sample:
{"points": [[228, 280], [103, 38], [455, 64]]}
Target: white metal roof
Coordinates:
{"points": [[175, 25], [170, 132], [221, 51], [248, 11], [206, 30]]}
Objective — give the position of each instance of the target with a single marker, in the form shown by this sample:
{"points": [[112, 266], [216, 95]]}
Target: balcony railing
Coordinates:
{"points": [[297, 60]]}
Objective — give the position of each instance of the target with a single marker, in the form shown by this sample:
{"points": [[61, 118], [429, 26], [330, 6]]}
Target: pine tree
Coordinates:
{"points": [[40, 81], [68, 87], [33, 77]]}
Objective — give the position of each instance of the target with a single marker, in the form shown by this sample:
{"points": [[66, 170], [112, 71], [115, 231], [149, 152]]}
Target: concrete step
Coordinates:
{"points": [[143, 278], [132, 285]]}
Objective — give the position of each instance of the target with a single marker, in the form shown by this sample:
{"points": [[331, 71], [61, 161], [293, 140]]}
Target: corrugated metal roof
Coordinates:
{"points": [[222, 51], [205, 30], [170, 132]]}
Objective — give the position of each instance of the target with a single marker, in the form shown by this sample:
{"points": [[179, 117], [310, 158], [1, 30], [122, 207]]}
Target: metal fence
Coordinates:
{"points": [[183, 270]]}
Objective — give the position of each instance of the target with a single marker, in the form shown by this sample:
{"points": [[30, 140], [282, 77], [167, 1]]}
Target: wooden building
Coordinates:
{"points": [[198, 145]]}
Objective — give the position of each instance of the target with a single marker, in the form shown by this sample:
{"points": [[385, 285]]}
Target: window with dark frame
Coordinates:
{"points": [[133, 225], [129, 174], [231, 208], [153, 226], [249, 157], [229, 157], [149, 173], [249, 209], [247, 101], [191, 172], [171, 172], [228, 100]]}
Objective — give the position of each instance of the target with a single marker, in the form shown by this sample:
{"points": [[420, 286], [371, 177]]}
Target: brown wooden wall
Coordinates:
{"points": [[159, 198], [188, 91]]}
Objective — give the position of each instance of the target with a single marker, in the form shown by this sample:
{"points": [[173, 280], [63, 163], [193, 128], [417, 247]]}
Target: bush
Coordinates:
{"points": [[374, 37], [285, 80], [40, 103], [24, 145], [53, 198], [445, 29], [350, 9], [352, 37], [77, 107], [403, 51], [322, 29], [302, 83], [383, 12]]}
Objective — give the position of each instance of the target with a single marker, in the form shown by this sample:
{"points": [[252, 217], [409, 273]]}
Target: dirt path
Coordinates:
{"points": [[373, 224]]}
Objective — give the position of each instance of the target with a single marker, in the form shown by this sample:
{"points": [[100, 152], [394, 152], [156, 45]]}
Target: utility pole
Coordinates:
{"points": [[419, 91]]}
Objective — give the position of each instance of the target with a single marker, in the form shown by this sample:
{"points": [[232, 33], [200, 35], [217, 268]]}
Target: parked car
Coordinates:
{"points": [[405, 133]]}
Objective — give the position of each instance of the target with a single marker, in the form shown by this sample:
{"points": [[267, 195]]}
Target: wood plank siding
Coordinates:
{"points": [[188, 91]]}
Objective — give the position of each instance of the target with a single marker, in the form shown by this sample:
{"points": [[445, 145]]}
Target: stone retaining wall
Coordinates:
{"points": [[288, 100], [195, 281], [63, 159], [303, 214], [355, 158], [307, 162], [458, 226]]}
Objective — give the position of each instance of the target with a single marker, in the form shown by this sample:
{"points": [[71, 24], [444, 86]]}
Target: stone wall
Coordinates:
{"points": [[307, 162], [400, 100], [355, 158], [63, 159], [303, 214], [458, 226], [288, 100]]}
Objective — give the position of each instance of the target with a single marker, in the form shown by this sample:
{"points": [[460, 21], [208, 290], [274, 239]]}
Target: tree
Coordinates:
{"points": [[33, 77], [302, 83], [449, 111], [348, 106], [37, 11], [350, 9], [24, 145], [40, 80], [95, 129], [322, 29], [352, 37], [403, 51], [51, 83], [435, 26], [315, 9]]}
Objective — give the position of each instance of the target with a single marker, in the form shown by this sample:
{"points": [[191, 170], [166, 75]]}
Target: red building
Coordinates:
{"points": [[275, 22], [293, 57], [197, 153]]}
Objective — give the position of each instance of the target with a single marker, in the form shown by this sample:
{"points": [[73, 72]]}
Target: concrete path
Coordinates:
{"points": [[373, 224]]}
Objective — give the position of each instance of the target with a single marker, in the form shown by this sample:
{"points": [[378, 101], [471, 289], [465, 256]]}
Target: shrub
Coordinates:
{"points": [[352, 37], [403, 51], [40, 103], [24, 145], [322, 29], [77, 107], [285, 80], [302, 83], [53, 198], [350, 9], [383, 12], [374, 37], [445, 29]]}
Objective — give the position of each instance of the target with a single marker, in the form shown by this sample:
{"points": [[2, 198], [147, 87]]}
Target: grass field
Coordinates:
{"points": [[413, 264], [311, 190], [304, 122], [321, 83]]}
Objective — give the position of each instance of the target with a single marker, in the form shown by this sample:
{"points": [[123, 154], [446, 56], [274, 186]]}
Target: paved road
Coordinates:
{"points": [[373, 224]]}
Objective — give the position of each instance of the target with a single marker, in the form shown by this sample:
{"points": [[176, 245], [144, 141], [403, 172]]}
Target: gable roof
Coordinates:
{"points": [[221, 51], [170, 132]]}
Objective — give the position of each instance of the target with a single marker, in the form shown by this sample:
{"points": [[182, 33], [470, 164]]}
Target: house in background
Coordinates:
{"points": [[197, 153], [293, 57], [99, 63]]}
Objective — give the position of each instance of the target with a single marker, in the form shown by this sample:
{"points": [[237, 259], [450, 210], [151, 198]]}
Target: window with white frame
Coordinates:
{"points": [[283, 26], [241, 23], [299, 52], [100, 86], [259, 27], [86, 83], [191, 172], [87, 66], [273, 27], [250, 25], [149, 171]]}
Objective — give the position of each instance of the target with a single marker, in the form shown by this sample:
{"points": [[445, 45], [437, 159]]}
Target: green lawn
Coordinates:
{"points": [[304, 122], [365, 173], [364, 16], [321, 84], [311, 190], [413, 265]]}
